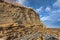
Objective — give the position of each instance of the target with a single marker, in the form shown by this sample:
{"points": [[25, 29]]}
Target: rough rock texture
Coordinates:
{"points": [[11, 14], [20, 23], [16, 21]]}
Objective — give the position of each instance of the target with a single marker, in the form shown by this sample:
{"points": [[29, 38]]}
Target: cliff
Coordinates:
{"points": [[17, 21], [11, 14], [21, 23]]}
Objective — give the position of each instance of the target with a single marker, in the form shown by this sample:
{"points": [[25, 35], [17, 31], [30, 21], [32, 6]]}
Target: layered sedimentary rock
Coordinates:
{"points": [[11, 14], [17, 21], [20, 23]]}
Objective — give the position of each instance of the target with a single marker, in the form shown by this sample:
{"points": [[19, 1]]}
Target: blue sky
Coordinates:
{"points": [[48, 10]]}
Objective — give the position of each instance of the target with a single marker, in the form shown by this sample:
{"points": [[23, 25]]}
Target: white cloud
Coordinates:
{"points": [[22, 1], [45, 18], [39, 10], [48, 9], [56, 11], [52, 19], [57, 3], [16, 2], [53, 16]]}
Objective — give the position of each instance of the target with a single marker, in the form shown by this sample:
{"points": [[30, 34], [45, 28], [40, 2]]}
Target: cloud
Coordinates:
{"points": [[22, 1], [53, 19], [39, 9], [47, 18], [55, 14], [48, 9], [57, 3]]}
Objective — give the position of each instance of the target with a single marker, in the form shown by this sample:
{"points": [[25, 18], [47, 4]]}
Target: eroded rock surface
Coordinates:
{"points": [[20, 23], [17, 21], [10, 14]]}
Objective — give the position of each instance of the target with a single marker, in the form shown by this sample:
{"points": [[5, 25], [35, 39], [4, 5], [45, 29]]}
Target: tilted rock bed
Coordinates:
{"points": [[12, 33], [20, 23]]}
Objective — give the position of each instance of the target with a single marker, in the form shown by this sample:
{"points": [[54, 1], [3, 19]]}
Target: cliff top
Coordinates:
{"points": [[18, 15]]}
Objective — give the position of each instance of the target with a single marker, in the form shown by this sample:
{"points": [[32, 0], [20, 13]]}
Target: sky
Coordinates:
{"points": [[48, 11]]}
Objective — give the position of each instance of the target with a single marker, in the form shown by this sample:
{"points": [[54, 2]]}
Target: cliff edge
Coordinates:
{"points": [[17, 21], [11, 14]]}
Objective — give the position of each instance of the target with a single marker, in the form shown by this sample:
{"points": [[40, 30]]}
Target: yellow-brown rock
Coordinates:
{"points": [[20, 23], [11, 14]]}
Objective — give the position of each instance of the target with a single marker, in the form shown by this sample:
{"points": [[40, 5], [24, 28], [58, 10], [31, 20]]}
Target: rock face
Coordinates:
{"points": [[20, 23], [11, 14], [17, 21]]}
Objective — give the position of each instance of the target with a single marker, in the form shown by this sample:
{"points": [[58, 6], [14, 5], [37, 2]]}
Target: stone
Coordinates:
{"points": [[18, 22], [11, 14]]}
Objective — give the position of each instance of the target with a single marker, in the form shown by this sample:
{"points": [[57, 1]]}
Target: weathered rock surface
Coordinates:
{"points": [[20, 23], [17, 21], [11, 14]]}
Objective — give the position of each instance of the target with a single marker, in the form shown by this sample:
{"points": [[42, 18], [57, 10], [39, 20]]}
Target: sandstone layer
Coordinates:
{"points": [[16, 21], [20, 23]]}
